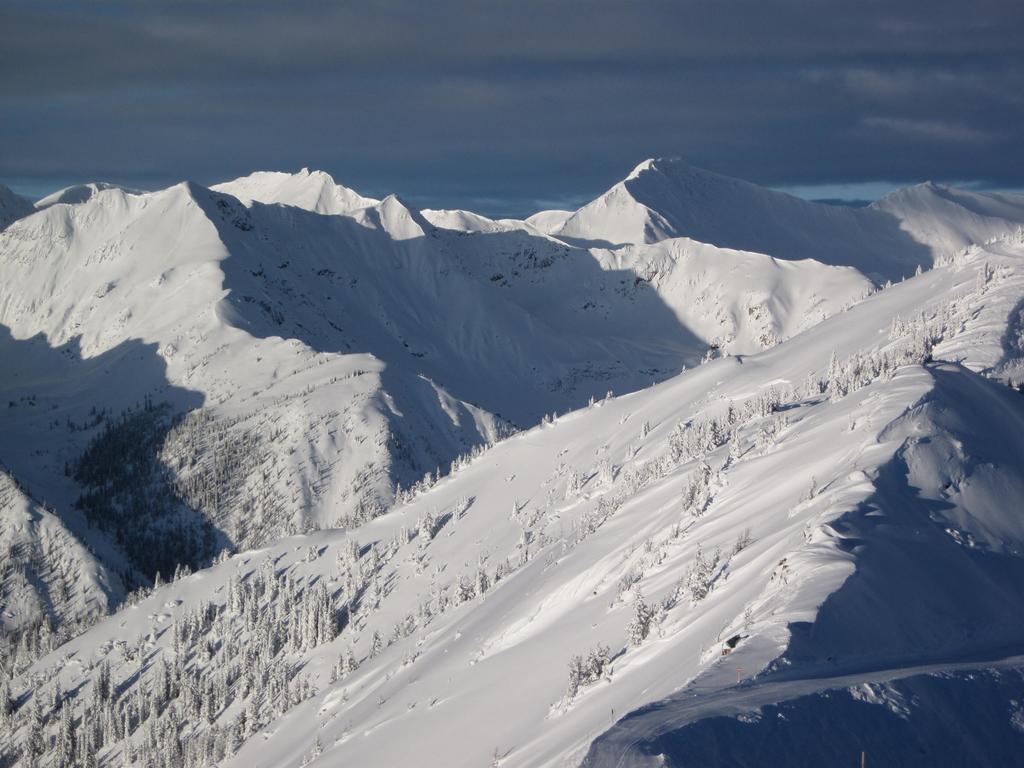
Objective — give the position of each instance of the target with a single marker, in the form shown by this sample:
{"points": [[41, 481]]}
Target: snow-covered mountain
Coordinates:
{"points": [[379, 345], [79, 193], [314, 191], [950, 219], [821, 515], [668, 198]]}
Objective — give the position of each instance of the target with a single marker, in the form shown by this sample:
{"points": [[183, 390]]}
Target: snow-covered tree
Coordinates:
{"points": [[427, 526], [701, 574], [697, 493], [35, 739], [376, 644], [577, 676], [598, 662], [735, 447], [66, 737], [483, 581], [6, 705], [640, 625], [573, 484]]}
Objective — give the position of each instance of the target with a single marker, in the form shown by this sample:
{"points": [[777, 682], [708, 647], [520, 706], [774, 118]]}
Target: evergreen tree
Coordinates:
{"points": [[66, 737], [483, 581], [103, 688], [6, 705], [598, 661], [700, 577], [577, 675], [376, 644], [640, 625], [350, 663], [35, 739], [427, 526], [833, 378]]}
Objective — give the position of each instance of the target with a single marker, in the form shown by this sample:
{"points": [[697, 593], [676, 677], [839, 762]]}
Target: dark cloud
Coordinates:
{"points": [[458, 102]]}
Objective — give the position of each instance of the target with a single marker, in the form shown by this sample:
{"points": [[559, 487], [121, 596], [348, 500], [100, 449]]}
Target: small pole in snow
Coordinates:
{"points": [[739, 674]]}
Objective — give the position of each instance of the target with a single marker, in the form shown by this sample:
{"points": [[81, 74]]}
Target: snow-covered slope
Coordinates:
{"points": [[950, 219], [339, 354], [273, 366], [48, 573], [548, 221], [134, 297], [79, 193], [742, 302], [467, 221], [932, 607], [784, 520], [668, 198]]}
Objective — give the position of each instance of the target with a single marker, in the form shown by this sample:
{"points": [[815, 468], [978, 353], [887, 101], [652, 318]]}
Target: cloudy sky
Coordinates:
{"points": [[507, 107]]}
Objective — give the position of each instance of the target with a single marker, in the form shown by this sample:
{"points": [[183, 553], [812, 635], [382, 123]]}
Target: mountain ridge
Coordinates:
{"points": [[443, 452], [576, 523], [663, 198]]}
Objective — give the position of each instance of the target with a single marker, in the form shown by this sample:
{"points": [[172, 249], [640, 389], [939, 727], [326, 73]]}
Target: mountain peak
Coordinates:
{"points": [[646, 165], [659, 164], [666, 198], [399, 219], [312, 190], [80, 193]]}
